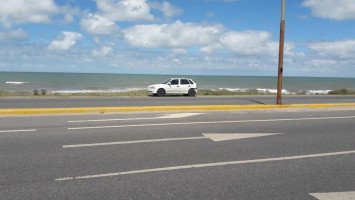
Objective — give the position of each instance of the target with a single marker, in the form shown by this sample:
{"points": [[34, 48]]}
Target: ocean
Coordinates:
{"points": [[84, 83]]}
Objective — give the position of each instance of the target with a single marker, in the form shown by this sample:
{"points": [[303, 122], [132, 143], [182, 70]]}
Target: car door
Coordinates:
{"points": [[173, 86], [184, 86]]}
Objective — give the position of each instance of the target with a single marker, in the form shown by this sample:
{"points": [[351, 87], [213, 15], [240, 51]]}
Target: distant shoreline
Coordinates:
{"points": [[142, 93], [78, 84]]}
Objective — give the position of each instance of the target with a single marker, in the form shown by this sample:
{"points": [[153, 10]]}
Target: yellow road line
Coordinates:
{"points": [[46, 111]]}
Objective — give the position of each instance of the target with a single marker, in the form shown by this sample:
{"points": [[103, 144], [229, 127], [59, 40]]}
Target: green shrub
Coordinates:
{"points": [[341, 92]]}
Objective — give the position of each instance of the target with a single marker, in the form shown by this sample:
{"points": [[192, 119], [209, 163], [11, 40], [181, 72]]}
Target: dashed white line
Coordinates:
{"points": [[169, 116], [207, 165], [211, 122], [15, 131], [132, 142], [216, 137]]}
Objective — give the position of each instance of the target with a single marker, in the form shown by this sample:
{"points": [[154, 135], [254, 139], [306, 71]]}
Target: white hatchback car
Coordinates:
{"points": [[184, 86]]}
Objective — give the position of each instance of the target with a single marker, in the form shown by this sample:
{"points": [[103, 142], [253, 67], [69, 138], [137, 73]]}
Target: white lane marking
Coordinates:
{"points": [[132, 142], [169, 116], [178, 115], [217, 137], [214, 137], [207, 165], [212, 122], [335, 195], [15, 131], [107, 120]]}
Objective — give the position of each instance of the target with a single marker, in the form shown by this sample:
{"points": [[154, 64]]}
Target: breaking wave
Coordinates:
{"points": [[16, 82], [274, 91], [99, 91]]}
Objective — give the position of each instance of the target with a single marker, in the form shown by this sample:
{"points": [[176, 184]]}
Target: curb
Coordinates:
{"points": [[92, 110]]}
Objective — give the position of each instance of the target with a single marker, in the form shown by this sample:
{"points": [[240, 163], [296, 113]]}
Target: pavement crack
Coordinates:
{"points": [[255, 101]]}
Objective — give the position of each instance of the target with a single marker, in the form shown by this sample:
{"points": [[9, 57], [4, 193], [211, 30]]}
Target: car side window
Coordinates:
{"points": [[174, 82], [184, 82]]}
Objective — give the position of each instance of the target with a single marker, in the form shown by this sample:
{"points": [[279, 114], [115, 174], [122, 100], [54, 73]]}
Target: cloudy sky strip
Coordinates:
{"points": [[206, 37]]}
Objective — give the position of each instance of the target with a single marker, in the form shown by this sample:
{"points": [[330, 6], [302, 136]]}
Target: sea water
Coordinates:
{"points": [[84, 83]]}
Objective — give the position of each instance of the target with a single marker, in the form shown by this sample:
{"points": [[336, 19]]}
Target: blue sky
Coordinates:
{"points": [[188, 37]]}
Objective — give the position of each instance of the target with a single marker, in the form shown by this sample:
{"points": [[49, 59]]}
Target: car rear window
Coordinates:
{"points": [[184, 82], [175, 82]]}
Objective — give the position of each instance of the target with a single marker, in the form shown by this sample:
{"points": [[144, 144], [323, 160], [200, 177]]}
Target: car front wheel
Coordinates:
{"points": [[160, 92]]}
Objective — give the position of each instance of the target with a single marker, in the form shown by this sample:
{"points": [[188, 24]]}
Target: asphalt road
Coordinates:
{"points": [[307, 153], [165, 101]]}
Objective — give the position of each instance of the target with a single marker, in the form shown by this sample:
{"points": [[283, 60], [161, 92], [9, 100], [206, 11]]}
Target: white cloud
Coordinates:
{"points": [[209, 38], [176, 61], [344, 49], [179, 51], [98, 25], [125, 10], [111, 11], [332, 9], [103, 52], [69, 13], [14, 35], [167, 9], [325, 59], [67, 40], [24, 11], [175, 35], [249, 43], [212, 47]]}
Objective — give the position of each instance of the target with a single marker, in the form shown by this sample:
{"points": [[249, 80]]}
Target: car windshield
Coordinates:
{"points": [[167, 81]]}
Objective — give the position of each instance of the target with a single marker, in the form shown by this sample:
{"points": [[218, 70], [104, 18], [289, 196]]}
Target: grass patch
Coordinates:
{"points": [[341, 92], [229, 93], [15, 94]]}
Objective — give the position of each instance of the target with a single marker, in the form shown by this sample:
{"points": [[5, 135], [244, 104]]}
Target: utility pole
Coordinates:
{"points": [[281, 53]]}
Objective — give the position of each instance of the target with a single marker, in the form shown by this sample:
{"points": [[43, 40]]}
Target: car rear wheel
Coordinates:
{"points": [[191, 93], [160, 92]]}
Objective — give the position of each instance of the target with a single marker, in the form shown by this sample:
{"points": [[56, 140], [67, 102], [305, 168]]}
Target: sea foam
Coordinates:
{"points": [[99, 91], [16, 82], [261, 90]]}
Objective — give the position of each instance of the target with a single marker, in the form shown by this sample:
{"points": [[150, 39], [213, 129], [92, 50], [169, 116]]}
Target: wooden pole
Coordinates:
{"points": [[281, 53]]}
